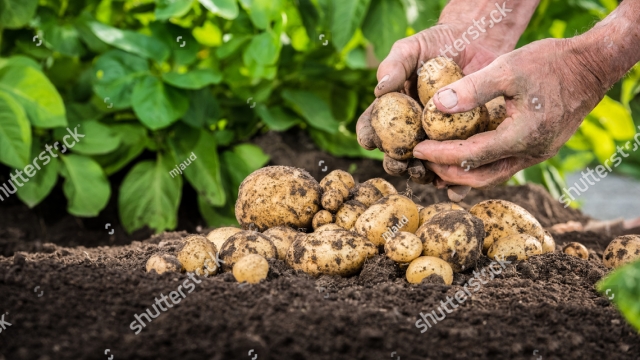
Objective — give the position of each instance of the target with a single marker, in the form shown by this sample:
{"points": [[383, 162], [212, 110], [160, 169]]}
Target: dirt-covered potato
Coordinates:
{"points": [[395, 118], [441, 126], [282, 237], [332, 200], [436, 74], [197, 254], [340, 175], [244, 243], [322, 217], [404, 247], [220, 235], [385, 218], [383, 185], [161, 263], [329, 227], [426, 213], [576, 249], [454, 236], [515, 247], [348, 213], [502, 218], [548, 244], [497, 109], [330, 252], [425, 266], [251, 268], [622, 250], [278, 196], [366, 194]]}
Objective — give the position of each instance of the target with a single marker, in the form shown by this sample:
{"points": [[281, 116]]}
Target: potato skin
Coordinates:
{"points": [[322, 217], [503, 218], [426, 213], [395, 118], [515, 247], [497, 109], [161, 263], [436, 74], [442, 126], [367, 194], [197, 254], [454, 236], [278, 196], [404, 247], [220, 235], [332, 200], [340, 175], [331, 252], [622, 250], [328, 227], [383, 185], [548, 243], [424, 266], [380, 218], [348, 213], [282, 237], [251, 268], [244, 243], [576, 249]]}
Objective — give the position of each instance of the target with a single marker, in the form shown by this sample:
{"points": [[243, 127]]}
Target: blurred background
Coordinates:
{"points": [[149, 83]]}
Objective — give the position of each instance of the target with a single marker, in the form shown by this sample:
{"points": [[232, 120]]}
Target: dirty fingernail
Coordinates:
{"points": [[381, 83], [448, 98]]}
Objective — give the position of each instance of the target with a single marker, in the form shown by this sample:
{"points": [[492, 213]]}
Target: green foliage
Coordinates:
{"points": [[624, 285]]}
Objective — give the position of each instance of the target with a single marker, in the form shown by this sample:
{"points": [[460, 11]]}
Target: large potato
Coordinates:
{"points": [[244, 243], [282, 237], [442, 126], [436, 74], [348, 213], [220, 235], [278, 196], [426, 213], [425, 266], [385, 187], [454, 236], [329, 227], [403, 247], [331, 252], [388, 216], [497, 109], [548, 243], [197, 254], [622, 250], [502, 218], [515, 247], [395, 118]]}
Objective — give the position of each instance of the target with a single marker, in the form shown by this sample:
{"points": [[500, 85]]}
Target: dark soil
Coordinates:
{"points": [[87, 297]]}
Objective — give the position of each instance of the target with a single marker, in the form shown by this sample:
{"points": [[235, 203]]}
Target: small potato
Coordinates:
{"points": [[244, 243], [197, 254], [461, 126], [515, 247], [436, 74], [322, 217], [329, 227], [220, 235], [502, 218], [335, 184], [383, 185], [426, 213], [403, 248], [576, 249], [622, 250], [548, 244], [497, 109], [386, 217], [454, 236], [366, 194], [395, 118], [348, 213], [340, 175], [332, 200], [282, 237], [251, 268], [424, 266], [161, 263]]}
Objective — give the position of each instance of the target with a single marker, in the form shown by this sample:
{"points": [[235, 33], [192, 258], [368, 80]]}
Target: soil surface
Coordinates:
{"points": [[73, 291]]}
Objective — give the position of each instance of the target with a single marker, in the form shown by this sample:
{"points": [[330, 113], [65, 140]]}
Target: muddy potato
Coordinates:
{"points": [[454, 236], [515, 247], [622, 250], [282, 237], [389, 215], [383, 185], [332, 200], [251, 268], [441, 126], [404, 247], [331, 252], [278, 196], [220, 235], [244, 243], [348, 213], [497, 109], [576, 249], [426, 213], [425, 266], [322, 217], [395, 118], [329, 227], [436, 74], [197, 254], [161, 263], [366, 194], [548, 244], [340, 175], [502, 218]]}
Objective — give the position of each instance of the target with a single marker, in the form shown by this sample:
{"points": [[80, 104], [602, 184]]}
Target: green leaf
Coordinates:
{"points": [[43, 181], [184, 47], [262, 12], [343, 103], [156, 104], [98, 138], [343, 144], [384, 25], [86, 186], [133, 138], [35, 92], [203, 109], [115, 75], [263, 49], [624, 285], [150, 196], [227, 9], [62, 37], [15, 132], [602, 143], [276, 118], [16, 13], [615, 118], [130, 41], [252, 155], [20, 60], [166, 9], [347, 17], [312, 108], [217, 216], [193, 79], [229, 48]]}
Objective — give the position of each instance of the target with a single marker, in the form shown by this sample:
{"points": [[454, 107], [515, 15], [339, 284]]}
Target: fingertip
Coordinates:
{"points": [[458, 193]]}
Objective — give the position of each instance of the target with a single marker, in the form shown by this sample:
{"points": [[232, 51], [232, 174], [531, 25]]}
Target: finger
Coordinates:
{"points": [[458, 193], [394, 167], [398, 66], [483, 177], [365, 133], [418, 173]]}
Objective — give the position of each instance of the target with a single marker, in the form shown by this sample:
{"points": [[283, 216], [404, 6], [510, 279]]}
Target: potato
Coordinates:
{"points": [[282, 237], [441, 126], [622, 250], [515, 247], [383, 185], [333, 182], [576, 249], [386, 217], [403, 248], [348, 213], [454, 236], [497, 109], [436, 74], [329, 227], [341, 175], [426, 213], [251, 268], [548, 244], [331, 252], [220, 235], [503, 218], [395, 118], [244, 243], [161, 263], [332, 200], [366, 194], [322, 217], [424, 266], [278, 196], [197, 254]]}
